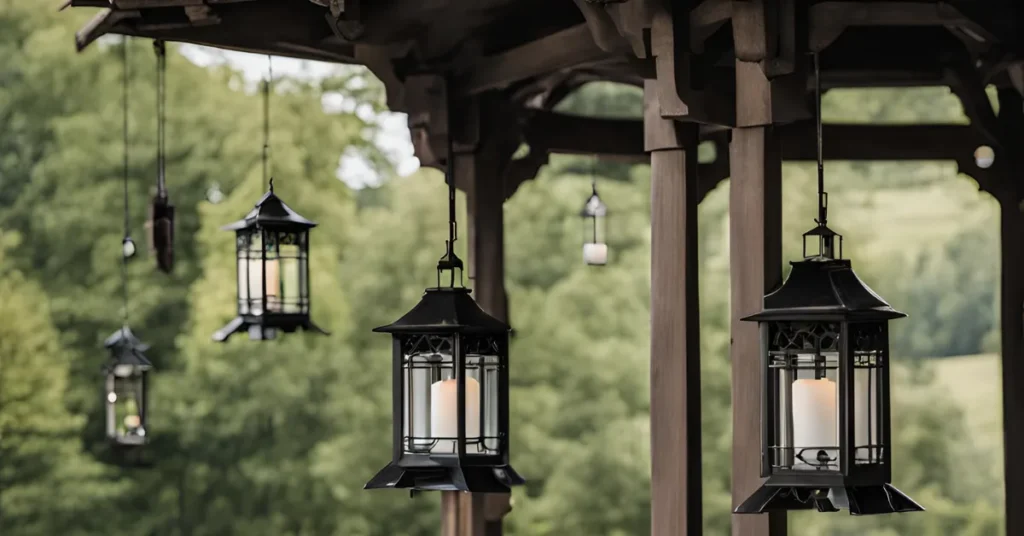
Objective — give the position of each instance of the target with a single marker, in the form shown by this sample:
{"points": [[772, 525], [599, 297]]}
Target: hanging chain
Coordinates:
{"points": [[127, 224], [593, 175], [266, 121], [161, 116], [450, 261], [822, 195]]}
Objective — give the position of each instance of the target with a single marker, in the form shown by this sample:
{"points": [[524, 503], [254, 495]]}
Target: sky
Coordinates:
{"points": [[393, 138]]}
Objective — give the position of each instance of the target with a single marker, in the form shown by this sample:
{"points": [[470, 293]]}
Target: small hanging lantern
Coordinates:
{"points": [[125, 394], [450, 389], [825, 432], [594, 216], [272, 250]]}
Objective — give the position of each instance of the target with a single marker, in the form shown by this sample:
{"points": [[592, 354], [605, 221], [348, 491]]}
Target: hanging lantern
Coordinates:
{"points": [[125, 394], [826, 438], [450, 389], [594, 216], [272, 250]]}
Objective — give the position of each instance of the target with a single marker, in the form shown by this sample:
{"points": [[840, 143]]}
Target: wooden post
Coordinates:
{"points": [[676, 502], [1010, 194], [755, 257], [1012, 314], [487, 240], [486, 138]]}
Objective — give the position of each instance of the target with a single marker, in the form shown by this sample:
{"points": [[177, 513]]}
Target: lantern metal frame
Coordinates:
{"points": [[126, 372], [259, 238], [448, 334], [448, 337], [594, 215], [824, 323]]}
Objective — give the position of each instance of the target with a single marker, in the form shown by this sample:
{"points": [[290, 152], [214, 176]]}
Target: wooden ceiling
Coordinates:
{"points": [[536, 51]]}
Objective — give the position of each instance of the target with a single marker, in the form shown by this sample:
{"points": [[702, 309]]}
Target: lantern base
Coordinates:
{"points": [[266, 327], [859, 500], [475, 479]]}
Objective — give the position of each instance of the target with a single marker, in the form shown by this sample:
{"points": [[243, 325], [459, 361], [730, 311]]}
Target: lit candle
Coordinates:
{"points": [[256, 285], [444, 421], [595, 253], [814, 419]]}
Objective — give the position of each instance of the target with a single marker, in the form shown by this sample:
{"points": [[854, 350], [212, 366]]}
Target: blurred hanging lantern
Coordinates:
{"points": [[161, 211], [450, 389], [126, 397], [594, 216], [272, 250], [825, 431], [127, 368]]}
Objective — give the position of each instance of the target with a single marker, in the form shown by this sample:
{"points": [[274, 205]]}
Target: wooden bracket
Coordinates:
{"points": [[966, 82], [682, 93]]}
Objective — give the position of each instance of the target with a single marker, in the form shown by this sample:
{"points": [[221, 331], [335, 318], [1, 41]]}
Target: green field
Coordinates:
{"points": [[974, 381]]}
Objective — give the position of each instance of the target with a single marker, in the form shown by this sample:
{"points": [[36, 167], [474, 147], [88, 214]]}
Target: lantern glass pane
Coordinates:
{"points": [[242, 241], [429, 390], [868, 347], [292, 298], [125, 411], [483, 365], [803, 361]]}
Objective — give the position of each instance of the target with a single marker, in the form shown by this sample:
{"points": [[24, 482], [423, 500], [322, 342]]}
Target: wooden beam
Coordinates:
{"points": [[755, 253], [623, 139], [568, 48], [676, 501], [829, 19]]}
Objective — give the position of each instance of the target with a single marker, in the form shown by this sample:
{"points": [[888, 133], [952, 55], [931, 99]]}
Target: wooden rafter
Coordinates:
{"points": [[568, 48]]}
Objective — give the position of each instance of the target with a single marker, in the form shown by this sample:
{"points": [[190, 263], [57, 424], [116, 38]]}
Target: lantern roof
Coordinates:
{"points": [[126, 349], [824, 288], [125, 337], [594, 207], [448, 310], [270, 211]]}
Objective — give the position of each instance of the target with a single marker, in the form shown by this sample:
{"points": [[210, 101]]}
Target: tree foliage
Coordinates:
{"points": [[277, 438]]}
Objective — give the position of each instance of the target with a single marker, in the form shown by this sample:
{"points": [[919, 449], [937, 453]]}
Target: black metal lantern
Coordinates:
{"points": [[125, 394], [825, 433], [450, 389], [272, 245], [594, 215]]}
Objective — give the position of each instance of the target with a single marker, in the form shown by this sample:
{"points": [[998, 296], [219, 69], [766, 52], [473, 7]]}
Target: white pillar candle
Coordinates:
{"points": [[256, 285], [595, 253], [444, 414], [814, 419]]}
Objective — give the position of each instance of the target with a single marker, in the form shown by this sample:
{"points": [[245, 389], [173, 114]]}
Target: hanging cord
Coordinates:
{"points": [[125, 252], [161, 116], [266, 121], [593, 175], [822, 195], [450, 261]]}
